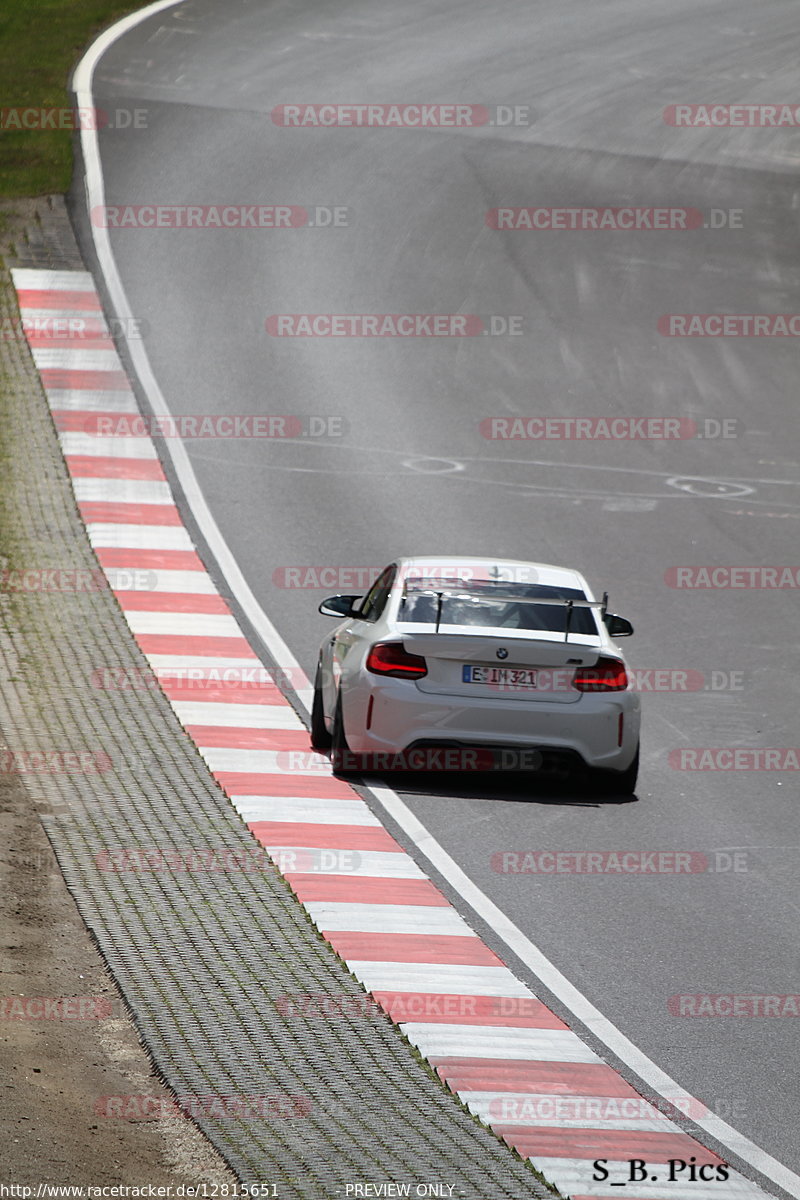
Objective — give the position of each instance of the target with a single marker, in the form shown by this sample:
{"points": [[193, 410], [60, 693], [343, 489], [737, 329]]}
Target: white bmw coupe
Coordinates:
{"points": [[472, 663]]}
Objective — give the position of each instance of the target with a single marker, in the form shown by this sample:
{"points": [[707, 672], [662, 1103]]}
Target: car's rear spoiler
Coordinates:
{"points": [[463, 593]]}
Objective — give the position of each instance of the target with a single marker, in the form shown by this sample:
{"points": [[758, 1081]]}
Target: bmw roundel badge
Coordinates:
{"points": [[502, 652]]}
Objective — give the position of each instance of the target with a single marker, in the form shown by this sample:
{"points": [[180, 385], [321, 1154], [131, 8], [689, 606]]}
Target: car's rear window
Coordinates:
{"points": [[495, 605]]}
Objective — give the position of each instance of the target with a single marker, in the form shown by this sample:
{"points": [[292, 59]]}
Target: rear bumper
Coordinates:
{"points": [[400, 717]]}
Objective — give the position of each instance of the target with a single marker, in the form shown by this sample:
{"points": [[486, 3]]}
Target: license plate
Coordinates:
{"points": [[502, 677]]}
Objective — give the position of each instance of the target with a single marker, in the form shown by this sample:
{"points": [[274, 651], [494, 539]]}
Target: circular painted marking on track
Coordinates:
{"points": [[697, 485], [434, 466]]}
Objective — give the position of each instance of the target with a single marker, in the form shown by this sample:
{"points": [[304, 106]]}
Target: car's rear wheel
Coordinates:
{"points": [[619, 783], [342, 759], [320, 737]]}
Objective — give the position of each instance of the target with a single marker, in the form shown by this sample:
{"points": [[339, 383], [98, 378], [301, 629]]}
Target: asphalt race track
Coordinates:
{"points": [[412, 472]]}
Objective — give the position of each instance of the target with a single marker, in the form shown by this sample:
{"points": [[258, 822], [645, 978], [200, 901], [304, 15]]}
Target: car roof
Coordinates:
{"points": [[475, 568]]}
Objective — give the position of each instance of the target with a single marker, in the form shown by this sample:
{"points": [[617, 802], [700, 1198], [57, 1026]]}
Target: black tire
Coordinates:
{"points": [[320, 738], [342, 760], [619, 783]]}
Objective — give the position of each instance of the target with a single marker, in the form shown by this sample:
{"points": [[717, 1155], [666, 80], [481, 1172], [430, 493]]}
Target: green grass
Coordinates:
{"points": [[40, 43]]}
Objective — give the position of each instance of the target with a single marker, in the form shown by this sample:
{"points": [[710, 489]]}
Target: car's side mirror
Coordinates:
{"points": [[339, 606], [617, 626]]}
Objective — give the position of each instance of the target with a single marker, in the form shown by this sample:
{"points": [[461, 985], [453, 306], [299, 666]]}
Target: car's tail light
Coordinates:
{"points": [[391, 658], [607, 675]]}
